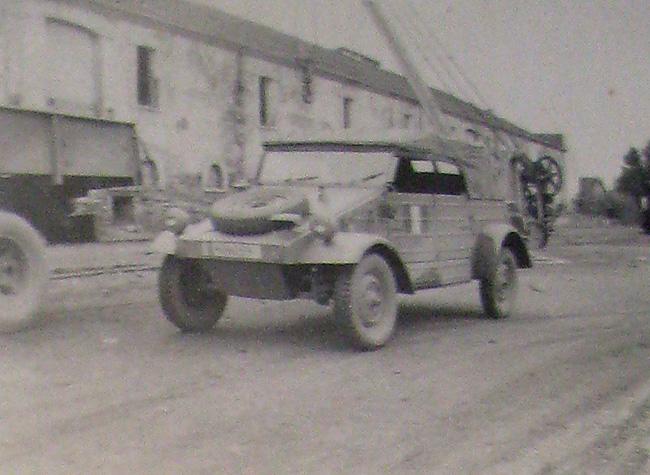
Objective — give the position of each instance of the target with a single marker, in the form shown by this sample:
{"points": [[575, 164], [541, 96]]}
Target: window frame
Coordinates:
{"points": [[264, 101], [146, 81], [347, 112]]}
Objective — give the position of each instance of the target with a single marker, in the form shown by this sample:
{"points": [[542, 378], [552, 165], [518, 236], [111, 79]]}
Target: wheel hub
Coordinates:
{"points": [[372, 300], [12, 268]]}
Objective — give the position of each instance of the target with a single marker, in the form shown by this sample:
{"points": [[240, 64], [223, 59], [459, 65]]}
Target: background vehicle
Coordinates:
{"points": [[47, 160], [347, 224]]}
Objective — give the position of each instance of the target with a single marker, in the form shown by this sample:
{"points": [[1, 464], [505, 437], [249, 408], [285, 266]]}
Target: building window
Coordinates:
{"points": [[74, 68], [347, 112], [216, 177], [307, 89], [147, 83], [265, 101]]}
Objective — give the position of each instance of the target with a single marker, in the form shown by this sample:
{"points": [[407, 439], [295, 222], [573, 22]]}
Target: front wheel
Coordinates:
{"points": [[187, 295], [365, 302], [499, 289]]}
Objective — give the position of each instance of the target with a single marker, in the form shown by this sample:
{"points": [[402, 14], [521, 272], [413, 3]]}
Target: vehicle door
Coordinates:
{"points": [[431, 221]]}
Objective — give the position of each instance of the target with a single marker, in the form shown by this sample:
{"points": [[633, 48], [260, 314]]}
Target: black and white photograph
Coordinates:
{"points": [[324, 237]]}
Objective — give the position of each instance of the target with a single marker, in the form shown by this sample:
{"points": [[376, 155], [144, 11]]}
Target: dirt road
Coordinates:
{"points": [[108, 386]]}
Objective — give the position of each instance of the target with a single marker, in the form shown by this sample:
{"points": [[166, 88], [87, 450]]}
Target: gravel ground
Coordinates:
{"points": [[106, 385]]}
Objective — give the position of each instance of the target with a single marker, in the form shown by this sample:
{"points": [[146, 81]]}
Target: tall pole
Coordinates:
{"points": [[422, 91]]}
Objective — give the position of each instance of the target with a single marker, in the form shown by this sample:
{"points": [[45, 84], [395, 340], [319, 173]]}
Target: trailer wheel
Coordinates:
{"points": [[188, 296], [23, 273]]}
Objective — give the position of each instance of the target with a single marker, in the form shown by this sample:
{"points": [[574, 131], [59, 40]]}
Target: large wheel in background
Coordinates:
{"points": [[548, 175], [646, 220], [188, 296], [365, 302], [499, 288], [23, 273]]}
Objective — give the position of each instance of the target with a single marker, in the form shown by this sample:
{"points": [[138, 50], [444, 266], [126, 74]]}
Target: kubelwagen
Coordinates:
{"points": [[351, 224]]}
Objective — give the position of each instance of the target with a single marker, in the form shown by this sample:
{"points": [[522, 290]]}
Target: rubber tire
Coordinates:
{"points": [[250, 212], [178, 307], [22, 310], [348, 298], [495, 305]]}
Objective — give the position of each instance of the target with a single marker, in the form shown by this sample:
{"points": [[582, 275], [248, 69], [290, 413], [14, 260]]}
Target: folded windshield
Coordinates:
{"points": [[370, 168]]}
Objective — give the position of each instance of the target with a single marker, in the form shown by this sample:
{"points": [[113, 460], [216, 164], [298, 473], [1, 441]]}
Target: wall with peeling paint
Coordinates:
{"points": [[207, 108]]}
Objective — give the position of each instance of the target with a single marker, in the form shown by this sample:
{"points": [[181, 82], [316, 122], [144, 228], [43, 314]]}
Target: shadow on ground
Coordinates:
{"points": [[317, 330]]}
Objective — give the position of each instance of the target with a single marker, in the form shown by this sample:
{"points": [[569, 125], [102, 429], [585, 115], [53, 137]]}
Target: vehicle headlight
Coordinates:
{"points": [[176, 220]]}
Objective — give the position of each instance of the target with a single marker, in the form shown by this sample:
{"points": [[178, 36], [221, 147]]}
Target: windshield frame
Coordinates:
{"points": [[386, 154]]}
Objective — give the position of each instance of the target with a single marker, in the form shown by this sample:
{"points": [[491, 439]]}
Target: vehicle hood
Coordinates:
{"points": [[325, 204]]}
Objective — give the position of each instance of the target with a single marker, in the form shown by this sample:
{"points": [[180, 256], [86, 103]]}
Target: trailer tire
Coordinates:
{"points": [[23, 273], [251, 212]]}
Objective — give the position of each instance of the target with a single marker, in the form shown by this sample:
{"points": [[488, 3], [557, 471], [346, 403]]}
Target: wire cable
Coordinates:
{"points": [[446, 59], [416, 45]]}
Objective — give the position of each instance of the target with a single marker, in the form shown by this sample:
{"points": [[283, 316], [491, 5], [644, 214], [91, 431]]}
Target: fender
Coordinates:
{"points": [[488, 245]]}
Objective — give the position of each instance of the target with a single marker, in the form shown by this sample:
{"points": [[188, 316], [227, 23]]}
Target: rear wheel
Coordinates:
{"points": [[499, 289], [188, 296], [365, 302], [23, 273]]}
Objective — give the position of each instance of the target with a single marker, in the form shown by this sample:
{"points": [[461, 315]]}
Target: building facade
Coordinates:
{"points": [[204, 88]]}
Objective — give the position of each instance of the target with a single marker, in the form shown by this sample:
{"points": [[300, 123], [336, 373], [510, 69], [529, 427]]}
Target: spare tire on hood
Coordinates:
{"points": [[251, 211]]}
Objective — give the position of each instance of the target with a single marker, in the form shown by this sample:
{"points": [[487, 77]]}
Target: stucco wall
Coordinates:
{"points": [[199, 109]]}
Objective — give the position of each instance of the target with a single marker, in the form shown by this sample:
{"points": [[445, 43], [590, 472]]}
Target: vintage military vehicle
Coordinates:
{"points": [[351, 224]]}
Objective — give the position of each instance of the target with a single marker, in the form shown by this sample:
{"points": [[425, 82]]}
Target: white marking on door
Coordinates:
{"points": [[416, 220]]}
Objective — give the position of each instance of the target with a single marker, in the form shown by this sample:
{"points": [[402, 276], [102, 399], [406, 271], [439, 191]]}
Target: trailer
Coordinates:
{"points": [[47, 160]]}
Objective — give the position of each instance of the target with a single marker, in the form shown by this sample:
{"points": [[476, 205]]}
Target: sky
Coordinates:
{"points": [[579, 67]]}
